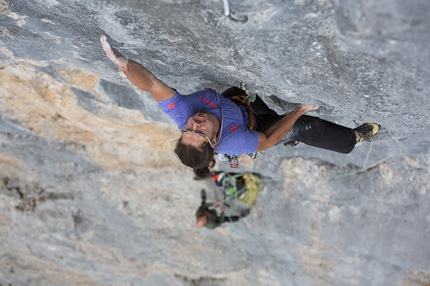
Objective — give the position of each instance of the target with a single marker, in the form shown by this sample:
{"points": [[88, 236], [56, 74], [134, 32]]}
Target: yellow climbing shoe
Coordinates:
{"points": [[367, 131]]}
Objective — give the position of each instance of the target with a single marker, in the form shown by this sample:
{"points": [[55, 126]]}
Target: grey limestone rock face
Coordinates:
{"points": [[92, 194]]}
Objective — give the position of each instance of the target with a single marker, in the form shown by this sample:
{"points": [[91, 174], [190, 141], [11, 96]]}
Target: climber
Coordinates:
{"points": [[212, 123], [207, 216]]}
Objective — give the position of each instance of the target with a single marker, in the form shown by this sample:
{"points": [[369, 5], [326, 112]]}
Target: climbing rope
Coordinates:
{"points": [[247, 195]]}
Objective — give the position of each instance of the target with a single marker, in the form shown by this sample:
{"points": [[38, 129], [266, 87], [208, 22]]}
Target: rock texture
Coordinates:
{"points": [[91, 193]]}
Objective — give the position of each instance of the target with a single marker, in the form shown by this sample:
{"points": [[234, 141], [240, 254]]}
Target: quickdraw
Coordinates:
{"points": [[228, 13]]}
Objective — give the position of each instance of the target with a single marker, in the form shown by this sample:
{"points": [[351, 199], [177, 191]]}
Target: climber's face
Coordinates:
{"points": [[201, 128], [202, 221]]}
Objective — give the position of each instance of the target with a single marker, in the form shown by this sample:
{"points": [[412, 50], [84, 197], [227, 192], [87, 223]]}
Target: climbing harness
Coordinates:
{"points": [[242, 99], [238, 99]]}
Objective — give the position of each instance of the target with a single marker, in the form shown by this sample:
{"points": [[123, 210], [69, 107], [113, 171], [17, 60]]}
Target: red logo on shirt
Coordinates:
{"points": [[233, 128], [208, 101], [171, 105]]}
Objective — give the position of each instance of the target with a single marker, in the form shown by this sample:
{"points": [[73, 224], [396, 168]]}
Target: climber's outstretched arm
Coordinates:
{"points": [[138, 74], [278, 130]]}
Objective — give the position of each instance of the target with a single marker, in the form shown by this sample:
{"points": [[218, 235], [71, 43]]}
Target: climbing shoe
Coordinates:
{"points": [[367, 131]]}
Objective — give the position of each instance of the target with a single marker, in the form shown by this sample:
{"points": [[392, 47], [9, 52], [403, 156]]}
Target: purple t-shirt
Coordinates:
{"points": [[236, 138]]}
